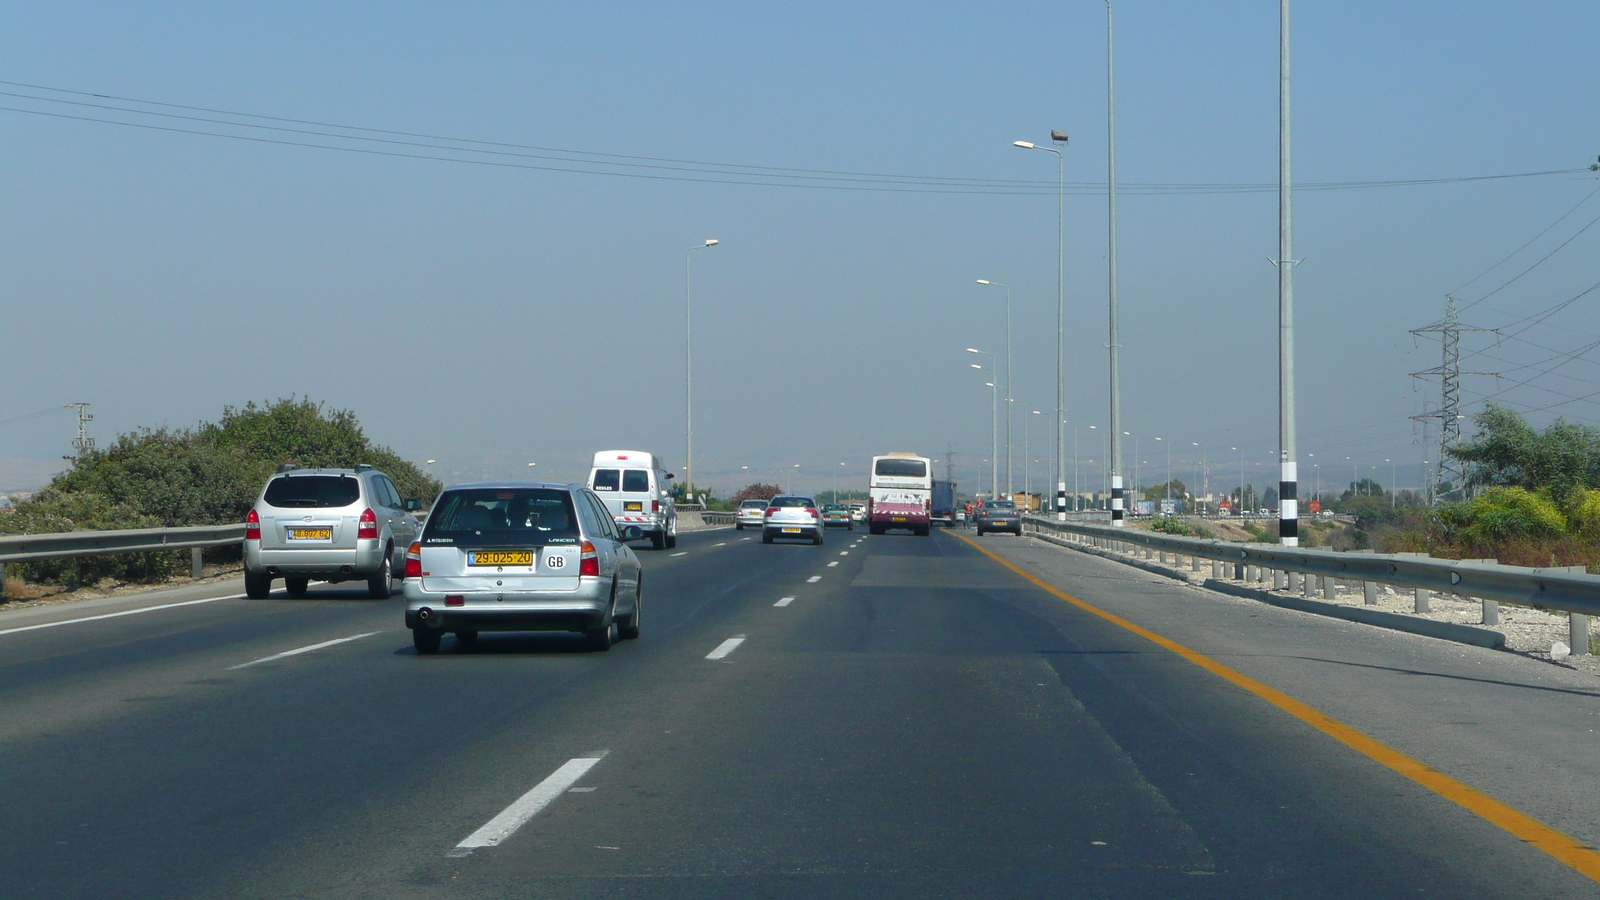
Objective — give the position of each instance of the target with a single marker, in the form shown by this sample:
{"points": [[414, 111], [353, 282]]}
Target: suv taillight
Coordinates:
{"points": [[589, 562], [369, 525], [414, 561], [252, 526]]}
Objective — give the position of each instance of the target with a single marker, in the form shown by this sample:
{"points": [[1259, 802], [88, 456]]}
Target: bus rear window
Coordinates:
{"points": [[901, 468], [606, 479]]}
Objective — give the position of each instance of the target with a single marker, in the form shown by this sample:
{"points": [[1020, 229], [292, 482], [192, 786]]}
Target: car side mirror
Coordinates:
{"points": [[413, 505], [632, 533], [670, 476]]}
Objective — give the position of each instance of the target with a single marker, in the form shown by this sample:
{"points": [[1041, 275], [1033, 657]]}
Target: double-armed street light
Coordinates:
{"points": [[994, 423], [1059, 137]]}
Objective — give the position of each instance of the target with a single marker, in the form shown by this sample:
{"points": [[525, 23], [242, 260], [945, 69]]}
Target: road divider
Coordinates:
{"points": [[299, 650], [726, 647], [527, 806]]}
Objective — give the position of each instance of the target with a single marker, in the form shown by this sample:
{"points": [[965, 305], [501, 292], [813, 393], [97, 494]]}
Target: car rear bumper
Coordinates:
{"points": [[644, 522], [578, 610], [777, 530], [366, 559]]}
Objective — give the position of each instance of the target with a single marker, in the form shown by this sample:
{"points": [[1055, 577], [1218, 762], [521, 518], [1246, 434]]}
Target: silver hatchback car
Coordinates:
{"points": [[792, 516], [522, 556], [328, 524]]}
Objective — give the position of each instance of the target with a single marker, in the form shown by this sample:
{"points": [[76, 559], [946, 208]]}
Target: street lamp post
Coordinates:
{"points": [[994, 423], [688, 376], [1009, 398], [1205, 473], [1114, 344], [1059, 137], [1288, 507], [1027, 461]]}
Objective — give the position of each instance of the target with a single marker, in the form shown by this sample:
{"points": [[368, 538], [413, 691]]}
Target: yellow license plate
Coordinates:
{"points": [[632, 506], [500, 558], [311, 534], [899, 518], [791, 531]]}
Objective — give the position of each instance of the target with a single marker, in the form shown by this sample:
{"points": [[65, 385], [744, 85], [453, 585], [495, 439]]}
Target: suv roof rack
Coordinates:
{"points": [[364, 467], [286, 467]]}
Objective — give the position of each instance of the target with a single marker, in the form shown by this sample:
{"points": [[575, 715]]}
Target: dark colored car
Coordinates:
{"points": [[999, 515]]}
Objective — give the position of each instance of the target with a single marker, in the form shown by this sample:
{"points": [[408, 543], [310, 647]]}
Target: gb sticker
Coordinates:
{"points": [[555, 561]]}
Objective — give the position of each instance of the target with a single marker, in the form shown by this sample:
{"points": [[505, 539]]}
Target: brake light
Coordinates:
{"points": [[455, 600], [369, 525], [772, 510], [252, 526], [813, 513], [589, 563], [414, 561], [655, 506]]}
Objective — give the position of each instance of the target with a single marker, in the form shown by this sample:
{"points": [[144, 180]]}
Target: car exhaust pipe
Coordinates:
{"points": [[345, 570], [424, 614]]}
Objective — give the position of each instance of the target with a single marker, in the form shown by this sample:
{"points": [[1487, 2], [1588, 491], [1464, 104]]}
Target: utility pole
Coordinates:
{"points": [[1448, 471], [1118, 492], [84, 443], [949, 462], [1288, 478]]}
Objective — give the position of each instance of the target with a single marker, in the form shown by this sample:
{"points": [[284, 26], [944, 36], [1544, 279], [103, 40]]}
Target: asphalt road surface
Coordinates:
{"points": [[878, 717]]}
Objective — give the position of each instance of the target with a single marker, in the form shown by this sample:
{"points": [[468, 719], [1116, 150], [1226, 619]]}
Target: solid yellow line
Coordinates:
{"points": [[1551, 841]]}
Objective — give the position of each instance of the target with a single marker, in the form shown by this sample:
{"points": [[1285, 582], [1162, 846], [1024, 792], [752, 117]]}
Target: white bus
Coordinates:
{"points": [[901, 493]]}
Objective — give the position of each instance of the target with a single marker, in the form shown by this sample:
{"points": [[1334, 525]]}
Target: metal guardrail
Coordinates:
{"points": [[64, 545], [1548, 589]]}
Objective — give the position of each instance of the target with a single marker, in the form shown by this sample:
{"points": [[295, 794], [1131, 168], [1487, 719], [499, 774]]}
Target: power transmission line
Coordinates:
{"points": [[1449, 373]]}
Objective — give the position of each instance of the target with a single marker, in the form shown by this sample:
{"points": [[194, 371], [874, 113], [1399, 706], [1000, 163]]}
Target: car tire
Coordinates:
{"points": [[738, 526], [467, 637], [766, 537], [381, 584], [672, 534], [817, 540], [296, 586], [628, 629], [658, 540], [257, 587], [425, 639]]}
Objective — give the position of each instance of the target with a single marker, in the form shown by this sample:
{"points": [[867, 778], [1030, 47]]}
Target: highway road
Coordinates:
{"points": [[878, 717]]}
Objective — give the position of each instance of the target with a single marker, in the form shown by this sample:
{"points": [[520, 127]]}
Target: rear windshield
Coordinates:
{"points": [[503, 517], [606, 479], [313, 491], [753, 504], [1000, 504], [636, 481], [834, 507], [793, 501], [901, 468]]}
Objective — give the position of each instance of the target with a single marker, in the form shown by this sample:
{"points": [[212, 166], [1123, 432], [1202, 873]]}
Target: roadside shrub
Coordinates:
{"points": [[51, 512], [1175, 525]]}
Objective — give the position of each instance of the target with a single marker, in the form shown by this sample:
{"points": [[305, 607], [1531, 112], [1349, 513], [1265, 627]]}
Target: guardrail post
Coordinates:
{"points": [[1369, 593], [1194, 563], [2, 582], [1491, 612], [1238, 571], [196, 562], [1330, 588], [1310, 585], [1280, 579], [1420, 603], [1578, 633]]}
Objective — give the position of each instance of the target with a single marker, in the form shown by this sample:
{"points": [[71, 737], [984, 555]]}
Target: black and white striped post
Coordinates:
{"points": [[1288, 503]]}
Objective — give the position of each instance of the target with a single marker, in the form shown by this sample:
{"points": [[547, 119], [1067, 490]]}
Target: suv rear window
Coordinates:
{"points": [[636, 481], [605, 479], [313, 491], [902, 468], [503, 517]]}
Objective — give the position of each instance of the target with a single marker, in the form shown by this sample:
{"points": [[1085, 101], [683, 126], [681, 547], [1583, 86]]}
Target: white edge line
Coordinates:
{"points": [[784, 602], [726, 647], [527, 806], [681, 553], [299, 650], [723, 544], [126, 612]]}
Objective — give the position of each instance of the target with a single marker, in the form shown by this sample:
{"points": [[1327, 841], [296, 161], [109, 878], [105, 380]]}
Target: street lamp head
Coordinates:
{"points": [[971, 350], [983, 281], [1026, 145], [975, 365], [432, 461], [1058, 135], [712, 242]]}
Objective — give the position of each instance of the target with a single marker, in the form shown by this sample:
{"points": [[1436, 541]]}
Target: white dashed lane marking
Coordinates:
{"points": [[681, 553], [832, 564], [723, 544], [813, 579], [527, 806], [726, 647], [299, 650], [784, 602]]}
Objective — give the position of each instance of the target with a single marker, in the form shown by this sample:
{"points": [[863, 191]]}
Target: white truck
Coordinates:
{"points": [[634, 487]]}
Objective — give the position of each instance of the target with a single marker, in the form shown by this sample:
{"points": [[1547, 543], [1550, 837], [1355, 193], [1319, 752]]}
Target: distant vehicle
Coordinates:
{"points": [[1263, 512], [792, 516], [901, 493], [522, 556], [837, 515], [750, 514], [999, 515], [858, 513], [633, 486], [1326, 514], [329, 524], [944, 502]]}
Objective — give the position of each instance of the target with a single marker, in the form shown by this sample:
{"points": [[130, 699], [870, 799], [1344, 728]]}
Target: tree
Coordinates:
{"points": [[1174, 489], [757, 491], [1508, 452]]}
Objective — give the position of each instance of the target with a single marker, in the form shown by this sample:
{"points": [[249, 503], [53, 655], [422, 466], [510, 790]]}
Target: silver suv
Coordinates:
{"points": [[329, 524]]}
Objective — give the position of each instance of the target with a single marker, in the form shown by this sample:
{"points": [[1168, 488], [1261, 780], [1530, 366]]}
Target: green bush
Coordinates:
{"points": [[1175, 525]]}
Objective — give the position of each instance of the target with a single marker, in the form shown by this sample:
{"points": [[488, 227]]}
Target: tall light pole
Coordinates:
{"points": [[1241, 479], [688, 376], [994, 424], [1009, 399], [1288, 507], [1059, 137], [1102, 452], [1027, 461], [1114, 344], [1205, 472]]}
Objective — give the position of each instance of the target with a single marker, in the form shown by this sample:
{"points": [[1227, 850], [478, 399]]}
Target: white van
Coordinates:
{"points": [[634, 488]]}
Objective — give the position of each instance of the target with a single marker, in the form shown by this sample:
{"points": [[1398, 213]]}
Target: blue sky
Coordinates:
{"points": [[490, 316]]}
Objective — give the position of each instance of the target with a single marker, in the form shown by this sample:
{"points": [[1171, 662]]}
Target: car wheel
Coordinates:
{"points": [[766, 537], [296, 586], [257, 587], [672, 534], [467, 637], [425, 639], [600, 638], [628, 629], [658, 540], [818, 539], [380, 584], [738, 526]]}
